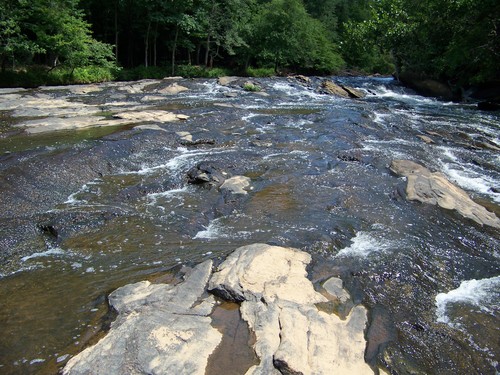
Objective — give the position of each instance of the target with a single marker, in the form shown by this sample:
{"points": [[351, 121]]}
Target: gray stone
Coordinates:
{"points": [[334, 287], [433, 188], [236, 184]]}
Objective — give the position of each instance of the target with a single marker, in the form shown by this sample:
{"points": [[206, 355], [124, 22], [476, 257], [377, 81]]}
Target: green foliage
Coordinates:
{"points": [[194, 71], [251, 87], [259, 72], [285, 35], [448, 40], [36, 76]]}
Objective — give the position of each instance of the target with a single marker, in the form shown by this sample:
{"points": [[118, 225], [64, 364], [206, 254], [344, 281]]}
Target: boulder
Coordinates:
{"points": [[427, 86], [433, 188], [172, 89], [160, 329], [225, 81], [205, 173], [278, 303], [236, 184], [330, 87]]}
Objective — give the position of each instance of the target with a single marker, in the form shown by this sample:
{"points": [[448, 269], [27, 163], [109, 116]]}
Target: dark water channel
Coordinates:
{"points": [[83, 212]]}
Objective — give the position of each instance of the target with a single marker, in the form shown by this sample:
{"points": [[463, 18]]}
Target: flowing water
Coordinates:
{"points": [[320, 181]]}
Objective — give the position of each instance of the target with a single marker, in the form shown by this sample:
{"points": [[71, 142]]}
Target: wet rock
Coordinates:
{"points": [[149, 127], [425, 138], [330, 87], [434, 188], [185, 136], [236, 184], [334, 287], [225, 81], [303, 79], [150, 116], [205, 173], [277, 301], [202, 141], [160, 329], [172, 89]]}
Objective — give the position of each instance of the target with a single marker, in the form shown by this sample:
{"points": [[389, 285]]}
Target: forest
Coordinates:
{"points": [[62, 41]]}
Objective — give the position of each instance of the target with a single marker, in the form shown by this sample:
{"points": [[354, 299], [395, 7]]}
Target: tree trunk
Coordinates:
{"points": [[174, 47], [155, 40], [116, 30], [207, 52], [146, 45]]}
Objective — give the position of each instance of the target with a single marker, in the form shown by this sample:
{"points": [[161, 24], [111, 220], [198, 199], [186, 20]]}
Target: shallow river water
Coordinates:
{"points": [[87, 211]]}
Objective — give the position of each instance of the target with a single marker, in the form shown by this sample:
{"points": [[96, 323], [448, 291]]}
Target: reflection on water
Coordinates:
{"points": [[319, 181]]}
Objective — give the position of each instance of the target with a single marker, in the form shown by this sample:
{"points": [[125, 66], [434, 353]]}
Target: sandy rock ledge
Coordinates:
{"points": [[164, 329]]}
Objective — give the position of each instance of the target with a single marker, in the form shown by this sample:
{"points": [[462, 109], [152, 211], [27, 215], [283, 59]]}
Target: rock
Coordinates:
{"points": [[330, 87], [225, 81], [434, 188], [149, 116], [425, 138], [427, 86], [334, 287], [353, 93], [149, 127], [186, 136], [201, 141], [303, 79], [205, 172], [277, 301], [172, 89], [488, 105], [160, 329], [236, 184]]}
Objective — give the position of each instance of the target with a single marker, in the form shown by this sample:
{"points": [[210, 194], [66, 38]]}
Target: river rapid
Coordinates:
{"points": [[83, 212]]}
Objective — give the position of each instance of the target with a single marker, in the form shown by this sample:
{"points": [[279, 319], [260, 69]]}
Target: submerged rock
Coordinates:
{"points": [[165, 329], [433, 187]]}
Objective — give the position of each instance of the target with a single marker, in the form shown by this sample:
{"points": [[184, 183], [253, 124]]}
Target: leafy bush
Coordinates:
{"points": [[251, 87], [259, 72], [195, 71]]}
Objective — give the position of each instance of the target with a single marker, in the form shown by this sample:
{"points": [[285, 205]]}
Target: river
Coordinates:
{"points": [[86, 211]]}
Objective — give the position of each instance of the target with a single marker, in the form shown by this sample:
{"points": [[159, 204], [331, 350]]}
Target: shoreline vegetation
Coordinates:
{"points": [[62, 42]]}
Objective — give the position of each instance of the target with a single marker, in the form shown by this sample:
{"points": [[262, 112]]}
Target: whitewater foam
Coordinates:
{"points": [[48, 253], [483, 294], [365, 243]]}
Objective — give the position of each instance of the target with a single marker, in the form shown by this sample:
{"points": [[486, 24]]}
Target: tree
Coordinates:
{"points": [[13, 41], [288, 37], [454, 41]]}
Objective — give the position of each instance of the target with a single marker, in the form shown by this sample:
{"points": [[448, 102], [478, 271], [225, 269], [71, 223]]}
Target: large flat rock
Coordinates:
{"points": [[165, 329], [160, 329], [278, 303]]}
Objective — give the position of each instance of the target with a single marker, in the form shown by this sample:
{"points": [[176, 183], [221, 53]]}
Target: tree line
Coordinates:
{"points": [[450, 40]]}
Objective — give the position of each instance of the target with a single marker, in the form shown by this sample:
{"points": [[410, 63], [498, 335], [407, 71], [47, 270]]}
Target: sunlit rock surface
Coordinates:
{"points": [[164, 329], [160, 329], [433, 188], [278, 303]]}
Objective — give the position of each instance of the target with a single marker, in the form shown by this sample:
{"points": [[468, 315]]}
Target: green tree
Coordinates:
{"points": [[287, 36], [13, 40]]}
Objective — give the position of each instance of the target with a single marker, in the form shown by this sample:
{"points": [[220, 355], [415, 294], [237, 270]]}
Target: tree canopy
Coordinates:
{"points": [[455, 41]]}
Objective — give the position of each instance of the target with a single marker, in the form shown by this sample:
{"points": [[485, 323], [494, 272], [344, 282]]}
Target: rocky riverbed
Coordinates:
{"points": [[160, 195]]}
